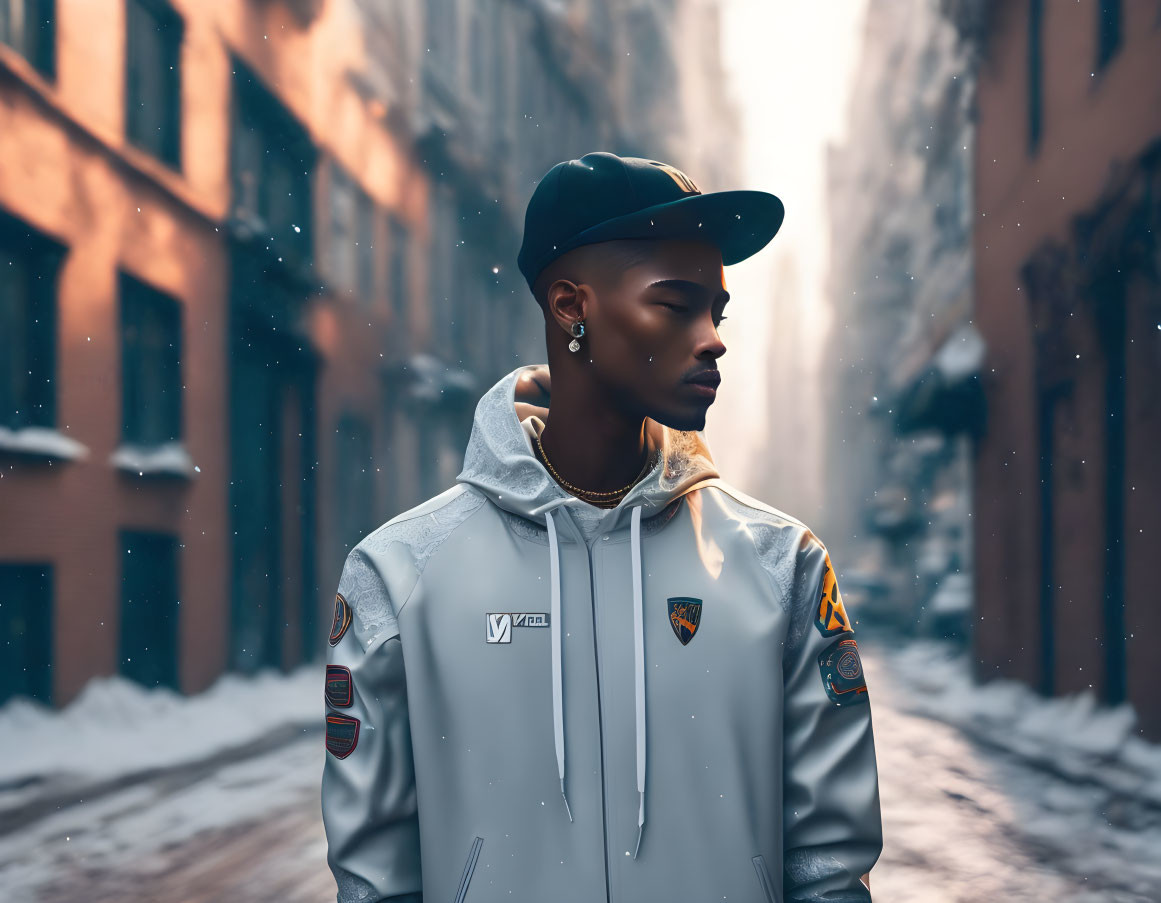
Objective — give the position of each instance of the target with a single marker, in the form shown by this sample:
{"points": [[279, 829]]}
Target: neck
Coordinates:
{"points": [[589, 443]]}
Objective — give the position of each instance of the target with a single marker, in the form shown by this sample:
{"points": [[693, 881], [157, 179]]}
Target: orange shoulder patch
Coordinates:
{"points": [[832, 617]]}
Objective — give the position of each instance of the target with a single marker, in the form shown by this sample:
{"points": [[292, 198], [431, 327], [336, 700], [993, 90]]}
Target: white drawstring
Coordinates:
{"points": [[554, 618], [554, 629], [638, 653], [639, 662]]}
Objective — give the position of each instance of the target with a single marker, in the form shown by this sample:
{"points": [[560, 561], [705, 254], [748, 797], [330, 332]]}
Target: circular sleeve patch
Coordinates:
{"points": [[338, 686], [342, 735], [342, 619], [842, 672]]}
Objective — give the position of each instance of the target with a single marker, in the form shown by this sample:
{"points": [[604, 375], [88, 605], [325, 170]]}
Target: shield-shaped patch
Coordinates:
{"points": [[684, 617], [338, 686], [342, 735], [342, 619]]}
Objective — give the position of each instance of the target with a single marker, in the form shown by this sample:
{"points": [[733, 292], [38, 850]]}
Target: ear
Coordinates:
{"points": [[565, 305]]}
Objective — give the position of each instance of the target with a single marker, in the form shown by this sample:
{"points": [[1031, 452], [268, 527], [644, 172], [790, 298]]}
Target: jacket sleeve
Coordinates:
{"points": [[832, 829], [369, 805]]}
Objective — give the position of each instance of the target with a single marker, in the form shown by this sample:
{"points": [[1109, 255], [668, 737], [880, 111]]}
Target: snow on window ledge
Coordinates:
{"points": [[167, 459], [42, 442]]}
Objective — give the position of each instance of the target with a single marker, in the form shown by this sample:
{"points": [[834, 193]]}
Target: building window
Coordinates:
{"points": [[29, 263], [153, 79], [29, 28], [26, 606], [341, 259], [351, 258], [501, 38], [149, 608], [271, 163], [463, 302], [365, 246], [442, 50], [355, 479], [479, 47], [151, 339], [400, 253], [442, 269], [1035, 72], [428, 457], [1108, 31]]}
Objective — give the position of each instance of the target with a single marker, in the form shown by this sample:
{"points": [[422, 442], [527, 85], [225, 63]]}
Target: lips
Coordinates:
{"points": [[711, 378]]}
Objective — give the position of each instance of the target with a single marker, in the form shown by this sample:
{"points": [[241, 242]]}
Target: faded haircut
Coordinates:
{"points": [[597, 264]]}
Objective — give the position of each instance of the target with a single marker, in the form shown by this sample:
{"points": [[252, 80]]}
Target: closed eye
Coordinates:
{"points": [[681, 309]]}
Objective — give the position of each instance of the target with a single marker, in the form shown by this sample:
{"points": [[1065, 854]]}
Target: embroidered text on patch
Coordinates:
{"points": [[500, 623], [342, 735], [338, 686], [342, 619]]}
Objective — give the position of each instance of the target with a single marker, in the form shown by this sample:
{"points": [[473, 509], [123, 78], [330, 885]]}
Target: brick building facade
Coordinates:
{"points": [[258, 263], [1067, 520]]}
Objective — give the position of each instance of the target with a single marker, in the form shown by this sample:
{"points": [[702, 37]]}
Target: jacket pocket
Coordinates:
{"points": [[764, 877], [469, 867]]}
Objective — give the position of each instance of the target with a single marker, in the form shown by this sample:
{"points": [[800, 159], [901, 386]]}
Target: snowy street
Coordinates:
{"points": [[1016, 799], [250, 830], [1022, 800]]}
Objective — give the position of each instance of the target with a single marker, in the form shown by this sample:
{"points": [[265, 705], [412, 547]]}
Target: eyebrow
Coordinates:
{"points": [[689, 288]]}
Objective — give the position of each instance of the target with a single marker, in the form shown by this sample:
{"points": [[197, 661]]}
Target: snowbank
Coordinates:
{"points": [[116, 726], [1074, 736]]}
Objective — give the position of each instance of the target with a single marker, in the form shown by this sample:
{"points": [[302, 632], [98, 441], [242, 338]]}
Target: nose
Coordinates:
{"points": [[707, 341]]}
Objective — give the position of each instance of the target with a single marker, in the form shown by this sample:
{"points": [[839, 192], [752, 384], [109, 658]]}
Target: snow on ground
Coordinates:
{"points": [[1072, 736], [990, 793], [129, 789], [243, 831], [116, 727]]}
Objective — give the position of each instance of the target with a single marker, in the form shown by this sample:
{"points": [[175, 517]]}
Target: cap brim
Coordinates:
{"points": [[740, 223]]}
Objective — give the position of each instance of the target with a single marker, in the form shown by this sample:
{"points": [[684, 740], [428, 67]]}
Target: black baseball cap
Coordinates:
{"points": [[602, 197]]}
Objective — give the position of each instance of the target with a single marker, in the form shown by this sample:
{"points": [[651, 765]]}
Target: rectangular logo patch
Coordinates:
{"points": [[500, 623]]}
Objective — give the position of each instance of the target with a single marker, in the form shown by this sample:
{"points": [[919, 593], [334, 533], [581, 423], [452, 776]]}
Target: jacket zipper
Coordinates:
{"points": [[764, 877], [469, 867], [600, 724]]}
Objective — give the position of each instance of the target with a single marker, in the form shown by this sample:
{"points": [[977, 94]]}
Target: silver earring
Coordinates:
{"points": [[577, 329]]}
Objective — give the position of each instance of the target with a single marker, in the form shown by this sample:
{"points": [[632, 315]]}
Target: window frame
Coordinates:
{"points": [[37, 348], [37, 609], [39, 46], [1109, 31], [1035, 74], [151, 377], [158, 549], [166, 27]]}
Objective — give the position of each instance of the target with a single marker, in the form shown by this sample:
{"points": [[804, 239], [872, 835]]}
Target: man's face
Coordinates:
{"points": [[656, 326]]}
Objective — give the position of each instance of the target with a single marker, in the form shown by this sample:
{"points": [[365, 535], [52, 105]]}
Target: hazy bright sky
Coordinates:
{"points": [[790, 62]]}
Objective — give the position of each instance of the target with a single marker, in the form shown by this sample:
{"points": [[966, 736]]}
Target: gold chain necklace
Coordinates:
{"points": [[601, 496]]}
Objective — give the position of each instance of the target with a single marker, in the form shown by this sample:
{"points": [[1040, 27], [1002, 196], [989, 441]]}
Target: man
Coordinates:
{"points": [[591, 592]]}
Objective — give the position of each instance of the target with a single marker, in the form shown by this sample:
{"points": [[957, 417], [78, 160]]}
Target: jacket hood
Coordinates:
{"points": [[501, 464]]}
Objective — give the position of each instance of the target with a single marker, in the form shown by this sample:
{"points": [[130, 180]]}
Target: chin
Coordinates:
{"points": [[684, 420]]}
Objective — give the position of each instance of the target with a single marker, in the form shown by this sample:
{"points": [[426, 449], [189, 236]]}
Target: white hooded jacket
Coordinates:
{"points": [[686, 655]]}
